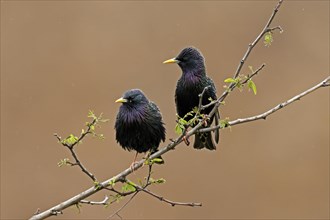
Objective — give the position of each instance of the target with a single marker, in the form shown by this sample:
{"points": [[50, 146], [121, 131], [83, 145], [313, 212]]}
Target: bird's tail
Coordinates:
{"points": [[204, 140]]}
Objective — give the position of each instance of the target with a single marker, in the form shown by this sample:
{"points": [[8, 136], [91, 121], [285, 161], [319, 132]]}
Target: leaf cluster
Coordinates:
{"points": [[240, 81], [183, 123]]}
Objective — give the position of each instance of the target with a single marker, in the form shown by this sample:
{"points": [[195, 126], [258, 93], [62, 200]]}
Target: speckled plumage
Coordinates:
{"points": [[139, 124], [192, 82]]}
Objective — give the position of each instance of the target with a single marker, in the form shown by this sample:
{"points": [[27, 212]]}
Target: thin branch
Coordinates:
{"points": [[232, 87], [148, 177], [103, 202], [121, 208], [172, 203], [253, 74], [75, 156], [240, 65], [275, 28], [201, 98], [264, 115], [264, 31], [324, 83]]}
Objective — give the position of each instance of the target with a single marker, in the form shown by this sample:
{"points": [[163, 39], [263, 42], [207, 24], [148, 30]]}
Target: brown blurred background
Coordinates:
{"points": [[61, 58]]}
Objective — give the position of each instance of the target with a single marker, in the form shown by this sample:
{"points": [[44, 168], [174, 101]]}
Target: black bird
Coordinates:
{"points": [[139, 124], [192, 83]]}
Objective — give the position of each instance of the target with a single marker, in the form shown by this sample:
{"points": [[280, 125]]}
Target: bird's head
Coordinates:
{"points": [[189, 59], [133, 97]]}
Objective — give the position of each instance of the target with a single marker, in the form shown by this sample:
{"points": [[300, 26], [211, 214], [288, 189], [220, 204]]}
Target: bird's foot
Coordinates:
{"points": [[186, 141], [132, 166], [205, 120], [185, 138]]}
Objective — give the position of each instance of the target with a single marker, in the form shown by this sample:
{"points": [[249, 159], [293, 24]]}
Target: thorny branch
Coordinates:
{"points": [[107, 184]]}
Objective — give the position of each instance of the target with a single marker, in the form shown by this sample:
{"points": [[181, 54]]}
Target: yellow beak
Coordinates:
{"points": [[121, 100], [173, 60]]}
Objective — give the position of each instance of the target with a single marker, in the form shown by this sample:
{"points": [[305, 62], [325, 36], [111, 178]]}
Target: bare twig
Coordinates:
{"points": [[201, 98], [121, 208], [264, 115], [172, 203], [275, 28], [103, 202]]}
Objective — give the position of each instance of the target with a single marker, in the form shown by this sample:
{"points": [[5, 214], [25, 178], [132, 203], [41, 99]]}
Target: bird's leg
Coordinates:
{"points": [[205, 120], [185, 139], [134, 162], [147, 155]]}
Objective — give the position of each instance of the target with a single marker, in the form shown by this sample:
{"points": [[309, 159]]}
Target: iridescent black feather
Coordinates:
{"points": [[192, 83], [139, 124]]}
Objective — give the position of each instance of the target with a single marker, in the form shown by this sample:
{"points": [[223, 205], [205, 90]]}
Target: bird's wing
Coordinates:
{"points": [[157, 114]]}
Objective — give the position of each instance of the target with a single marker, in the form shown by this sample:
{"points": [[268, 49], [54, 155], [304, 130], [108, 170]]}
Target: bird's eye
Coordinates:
{"points": [[184, 59]]}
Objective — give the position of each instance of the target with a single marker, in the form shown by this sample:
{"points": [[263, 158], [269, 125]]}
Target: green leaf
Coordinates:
{"points": [[160, 181], [252, 86], [194, 110], [192, 121], [157, 181], [70, 140], [268, 40], [156, 160], [224, 122], [179, 129], [230, 80], [91, 114], [97, 185], [112, 182], [63, 162], [128, 187]]}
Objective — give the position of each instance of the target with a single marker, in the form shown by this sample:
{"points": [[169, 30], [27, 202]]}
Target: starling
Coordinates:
{"points": [[192, 83], [139, 124]]}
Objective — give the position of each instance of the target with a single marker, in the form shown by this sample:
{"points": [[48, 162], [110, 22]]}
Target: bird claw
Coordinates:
{"points": [[186, 141], [205, 120], [132, 166]]}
